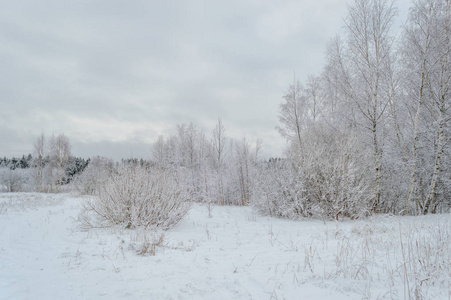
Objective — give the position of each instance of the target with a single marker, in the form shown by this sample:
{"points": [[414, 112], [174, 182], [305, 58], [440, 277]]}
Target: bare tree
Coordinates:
{"points": [[292, 112], [313, 91], [243, 170], [158, 151], [94, 176], [39, 154], [59, 154], [219, 142]]}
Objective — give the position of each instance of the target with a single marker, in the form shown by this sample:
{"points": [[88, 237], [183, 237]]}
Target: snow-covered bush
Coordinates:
{"points": [[17, 180], [279, 191], [137, 196], [335, 173], [94, 176], [327, 177]]}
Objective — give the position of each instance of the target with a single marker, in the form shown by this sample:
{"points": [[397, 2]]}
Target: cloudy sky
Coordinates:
{"points": [[114, 75]]}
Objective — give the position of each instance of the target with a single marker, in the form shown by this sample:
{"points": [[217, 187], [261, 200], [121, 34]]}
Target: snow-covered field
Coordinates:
{"points": [[235, 254]]}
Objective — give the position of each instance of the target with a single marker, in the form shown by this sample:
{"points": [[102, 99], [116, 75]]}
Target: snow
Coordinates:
{"points": [[235, 254]]}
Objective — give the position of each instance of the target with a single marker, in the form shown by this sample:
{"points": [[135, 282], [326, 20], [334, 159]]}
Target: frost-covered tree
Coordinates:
{"points": [[215, 169], [364, 61], [292, 113], [426, 64], [244, 171], [39, 155], [158, 152], [51, 163], [440, 109], [15, 180], [219, 143], [314, 95], [94, 176]]}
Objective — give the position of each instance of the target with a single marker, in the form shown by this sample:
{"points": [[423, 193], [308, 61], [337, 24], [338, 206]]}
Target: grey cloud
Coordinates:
{"points": [[116, 71]]}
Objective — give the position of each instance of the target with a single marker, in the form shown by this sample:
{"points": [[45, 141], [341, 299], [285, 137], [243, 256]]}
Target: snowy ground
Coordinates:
{"points": [[235, 254]]}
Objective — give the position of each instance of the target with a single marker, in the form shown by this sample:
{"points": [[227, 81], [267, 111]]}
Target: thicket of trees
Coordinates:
{"points": [[370, 134], [382, 104], [216, 168]]}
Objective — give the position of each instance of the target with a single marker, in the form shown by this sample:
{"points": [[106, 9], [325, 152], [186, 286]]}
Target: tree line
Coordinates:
{"points": [[46, 170], [16, 162]]}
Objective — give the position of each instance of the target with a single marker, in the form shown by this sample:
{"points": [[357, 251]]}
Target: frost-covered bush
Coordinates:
{"points": [[137, 196], [94, 176], [279, 191], [336, 174], [17, 180], [328, 177]]}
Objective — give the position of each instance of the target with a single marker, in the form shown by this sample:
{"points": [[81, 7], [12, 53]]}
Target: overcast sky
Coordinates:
{"points": [[114, 75]]}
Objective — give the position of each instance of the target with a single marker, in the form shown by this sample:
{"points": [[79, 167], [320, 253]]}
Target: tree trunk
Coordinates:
{"points": [[412, 185], [431, 200], [377, 173]]}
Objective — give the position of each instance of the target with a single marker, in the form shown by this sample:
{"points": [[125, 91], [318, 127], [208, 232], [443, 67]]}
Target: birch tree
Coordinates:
{"points": [[59, 153], [426, 59], [219, 142], [313, 94], [292, 112], [364, 63], [440, 93], [39, 154], [158, 151], [417, 48]]}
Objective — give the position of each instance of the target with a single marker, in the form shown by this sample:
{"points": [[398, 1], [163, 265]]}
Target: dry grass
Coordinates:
{"points": [[406, 260]]}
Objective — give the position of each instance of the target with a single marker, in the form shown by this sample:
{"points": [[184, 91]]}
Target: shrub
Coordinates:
{"points": [[137, 196], [325, 177], [280, 191], [17, 180], [336, 173]]}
